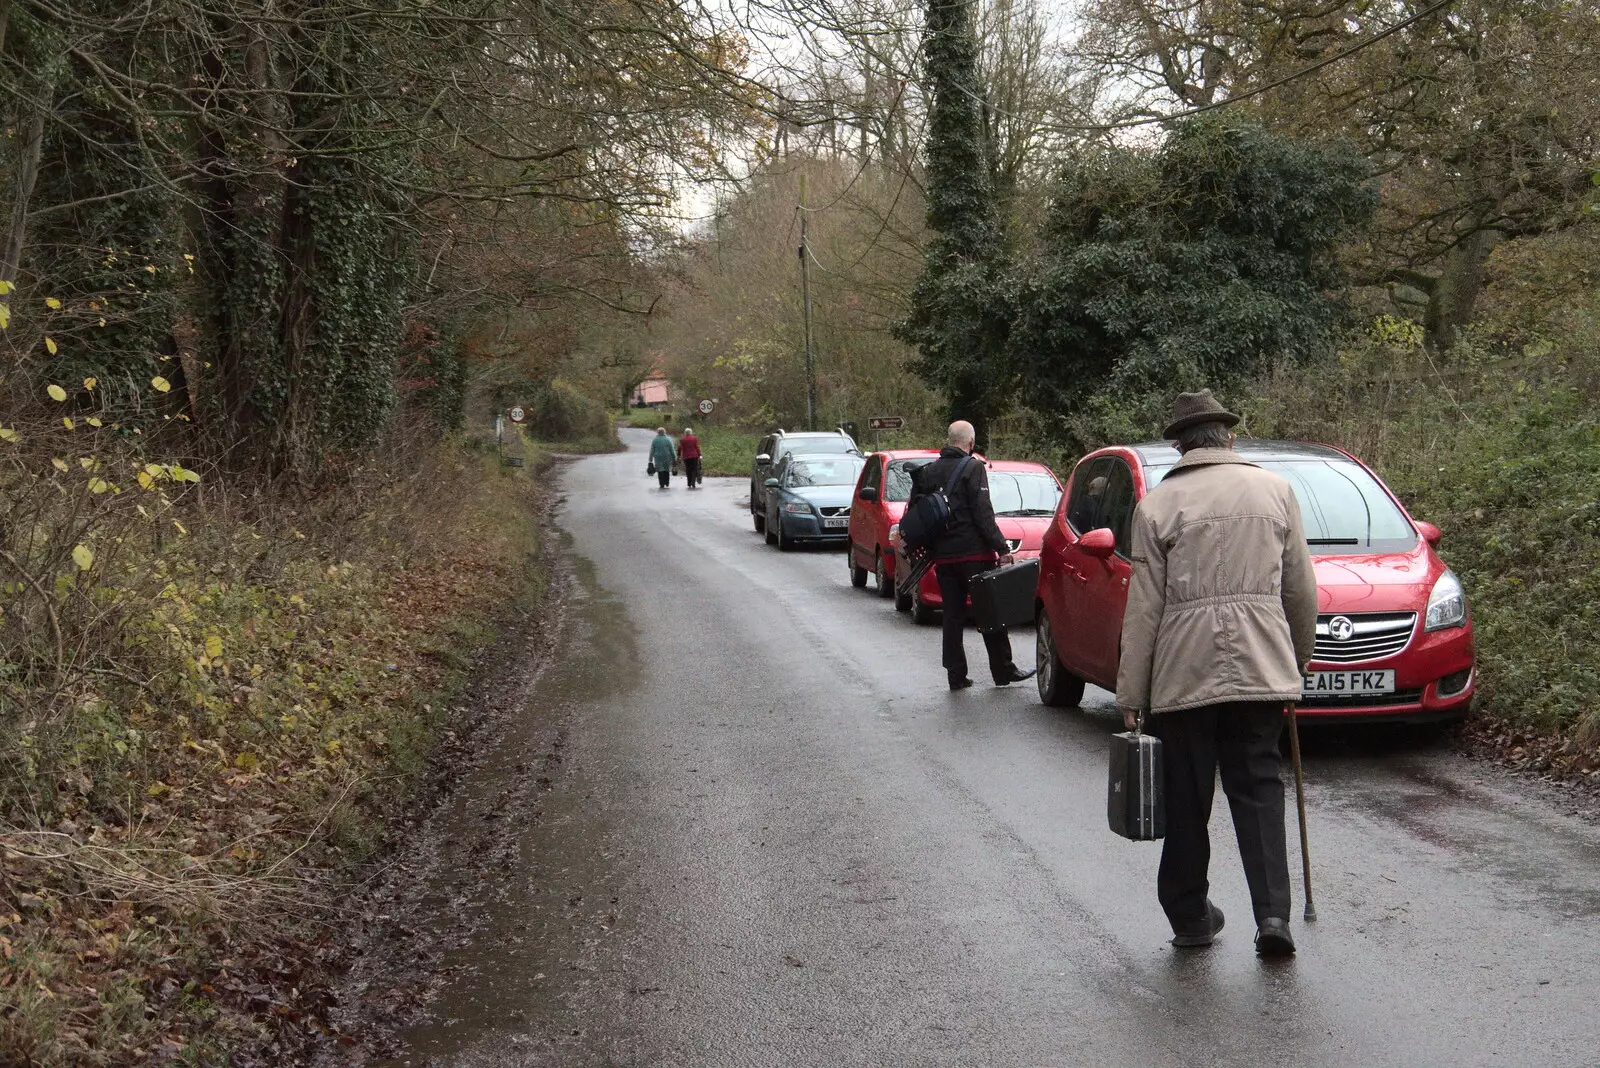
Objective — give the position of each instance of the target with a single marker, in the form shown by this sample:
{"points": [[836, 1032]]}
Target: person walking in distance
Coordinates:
{"points": [[1220, 626], [970, 544], [661, 454], [689, 453]]}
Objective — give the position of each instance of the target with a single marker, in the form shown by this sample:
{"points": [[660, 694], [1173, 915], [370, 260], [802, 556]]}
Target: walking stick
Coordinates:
{"points": [[1300, 800]]}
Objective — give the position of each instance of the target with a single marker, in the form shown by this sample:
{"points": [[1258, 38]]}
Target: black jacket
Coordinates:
{"points": [[972, 530]]}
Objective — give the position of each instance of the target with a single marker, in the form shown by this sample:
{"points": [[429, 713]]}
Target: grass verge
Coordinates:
{"points": [[210, 716], [585, 446], [727, 452]]}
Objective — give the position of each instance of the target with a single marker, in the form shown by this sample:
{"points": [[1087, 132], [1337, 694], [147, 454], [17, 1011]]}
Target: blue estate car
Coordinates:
{"points": [[808, 498]]}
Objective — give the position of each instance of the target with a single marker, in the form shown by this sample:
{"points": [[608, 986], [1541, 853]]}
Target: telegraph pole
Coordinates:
{"points": [[805, 297]]}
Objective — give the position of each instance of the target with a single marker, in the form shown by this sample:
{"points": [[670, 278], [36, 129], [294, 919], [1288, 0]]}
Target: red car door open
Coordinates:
{"points": [[1095, 564]]}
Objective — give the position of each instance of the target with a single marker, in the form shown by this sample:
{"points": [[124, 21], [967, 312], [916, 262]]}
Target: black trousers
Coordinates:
{"points": [[1240, 739], [691, 471], [953, 579], [664, 476]]}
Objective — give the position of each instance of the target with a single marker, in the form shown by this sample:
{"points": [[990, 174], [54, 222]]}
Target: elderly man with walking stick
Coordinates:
{"points": [[1220, 626]]}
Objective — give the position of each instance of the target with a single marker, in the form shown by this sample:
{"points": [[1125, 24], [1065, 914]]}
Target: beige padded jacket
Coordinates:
{"points": [[1223, 601]]}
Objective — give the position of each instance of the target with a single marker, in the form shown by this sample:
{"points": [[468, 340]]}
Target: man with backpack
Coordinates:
{"points": [[950, 516]]}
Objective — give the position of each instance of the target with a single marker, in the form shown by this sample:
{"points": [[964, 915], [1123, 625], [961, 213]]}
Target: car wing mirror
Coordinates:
{"points": [[1100, 543], [1430, 533], [763, 458], [868, 493], [771, 483]]}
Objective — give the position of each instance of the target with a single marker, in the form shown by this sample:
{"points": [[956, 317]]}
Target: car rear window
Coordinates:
{"points": [[831, 443], [1346, 511], [1023, 494], [898, 485], [825, 472]]}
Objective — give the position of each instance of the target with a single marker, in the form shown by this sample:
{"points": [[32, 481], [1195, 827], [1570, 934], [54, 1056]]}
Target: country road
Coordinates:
{"points": [[742, 822]]}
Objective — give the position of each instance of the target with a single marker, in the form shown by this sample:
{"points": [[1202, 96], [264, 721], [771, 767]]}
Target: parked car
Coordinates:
{"points": [[780, 443], [1394, 634], [808, 498], [880, 500], [1025, 496]]}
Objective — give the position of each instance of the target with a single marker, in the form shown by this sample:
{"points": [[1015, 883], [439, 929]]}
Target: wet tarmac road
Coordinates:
{"points": [[742, 822]]}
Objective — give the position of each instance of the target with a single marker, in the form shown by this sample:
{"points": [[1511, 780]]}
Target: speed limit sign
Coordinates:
{"points": [[518, 414], [705, 407]]}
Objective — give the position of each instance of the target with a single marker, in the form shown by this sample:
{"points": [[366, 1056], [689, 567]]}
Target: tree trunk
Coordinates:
{"points": [[868, 111], [5, 21], [970, 401], [1454, 293], [27, 175]]}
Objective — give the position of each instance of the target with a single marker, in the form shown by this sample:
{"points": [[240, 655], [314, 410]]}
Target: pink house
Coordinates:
{"points": [[651, 391]]}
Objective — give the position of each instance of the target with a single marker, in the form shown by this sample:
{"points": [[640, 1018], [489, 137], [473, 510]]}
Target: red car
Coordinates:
{"points": [[1394, 636], [1025, 496], [880, 500]]}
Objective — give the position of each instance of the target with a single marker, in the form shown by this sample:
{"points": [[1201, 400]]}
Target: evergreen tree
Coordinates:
{"points": [[1207, 260], [960, 314]]}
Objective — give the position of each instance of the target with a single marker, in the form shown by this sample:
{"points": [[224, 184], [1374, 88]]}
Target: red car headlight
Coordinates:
{"points": [[1447, 604]]}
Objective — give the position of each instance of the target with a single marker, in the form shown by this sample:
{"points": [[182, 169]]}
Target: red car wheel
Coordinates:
{"points": [[1058, 687], [858, 575]]}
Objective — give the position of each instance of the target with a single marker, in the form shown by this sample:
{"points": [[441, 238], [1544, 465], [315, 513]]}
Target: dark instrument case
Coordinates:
{"points": [[1004, 597], [1136, 803]]}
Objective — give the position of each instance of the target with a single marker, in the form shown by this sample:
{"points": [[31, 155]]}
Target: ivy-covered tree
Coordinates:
{"points": [[1207, 259], [229, 216], [959, 311]]}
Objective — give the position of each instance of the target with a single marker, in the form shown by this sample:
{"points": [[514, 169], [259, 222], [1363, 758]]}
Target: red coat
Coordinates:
{"points": [[688, 447]]}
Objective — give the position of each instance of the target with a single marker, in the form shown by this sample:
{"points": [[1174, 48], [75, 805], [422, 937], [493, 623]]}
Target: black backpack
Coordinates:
{"points": [[928, 516]]}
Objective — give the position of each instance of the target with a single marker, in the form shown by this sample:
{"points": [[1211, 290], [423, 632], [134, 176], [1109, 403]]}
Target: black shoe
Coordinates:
{"points": [[1198, 937], [1273, 938], [1016, 676], [960, 684]]}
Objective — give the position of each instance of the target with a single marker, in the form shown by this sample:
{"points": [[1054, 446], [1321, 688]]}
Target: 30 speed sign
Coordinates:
{"points": [[518, 413]]}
